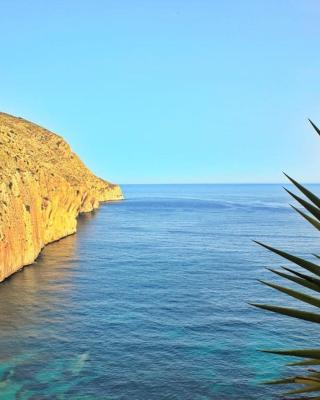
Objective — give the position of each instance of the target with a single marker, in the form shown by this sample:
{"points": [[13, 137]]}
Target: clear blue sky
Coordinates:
{"points": [[170, 90]]}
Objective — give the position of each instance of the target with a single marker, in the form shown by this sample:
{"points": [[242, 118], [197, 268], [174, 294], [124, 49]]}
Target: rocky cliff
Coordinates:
{"points": [[43, 188]]}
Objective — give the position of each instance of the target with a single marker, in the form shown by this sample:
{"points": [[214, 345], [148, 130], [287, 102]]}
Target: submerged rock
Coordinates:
{"points": [[43, 188]]}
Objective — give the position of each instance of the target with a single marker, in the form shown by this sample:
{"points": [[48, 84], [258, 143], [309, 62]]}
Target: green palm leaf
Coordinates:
{"points": [[304, 353], [315, 127], [308, 206], [311, 386], [311, 267], [304, 363], [290, 312], [302, 398], [312, 197], [293, 293], [312, 221], [309, 383], [299, 281], [311, 279]]}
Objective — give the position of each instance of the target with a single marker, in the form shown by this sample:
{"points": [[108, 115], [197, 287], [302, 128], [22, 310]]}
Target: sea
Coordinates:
{"points": [[150, 300]]}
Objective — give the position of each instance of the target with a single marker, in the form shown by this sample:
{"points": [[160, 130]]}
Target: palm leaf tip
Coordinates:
{"points": [[311, 220], [314, 301], [314, 210], [310, 386], [311, 196], [284, 381], [308, 278], [304, 353], [314, 268], [314, 126], [307, 362], [290, 312]]}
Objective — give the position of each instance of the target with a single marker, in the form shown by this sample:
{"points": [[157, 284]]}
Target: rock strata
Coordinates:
{"points": [[43, 188]]}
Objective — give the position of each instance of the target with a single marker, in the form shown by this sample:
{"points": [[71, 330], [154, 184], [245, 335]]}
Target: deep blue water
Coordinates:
{"points": [[148, 301]]}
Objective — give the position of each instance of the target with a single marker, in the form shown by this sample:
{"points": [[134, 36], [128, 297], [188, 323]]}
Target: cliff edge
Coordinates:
{"points": [[43, 188]]}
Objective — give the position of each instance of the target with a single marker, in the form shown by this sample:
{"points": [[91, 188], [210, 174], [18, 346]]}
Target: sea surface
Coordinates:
{"points": [[149, 300]]}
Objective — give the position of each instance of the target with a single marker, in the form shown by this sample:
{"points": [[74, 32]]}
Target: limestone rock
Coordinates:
{"points": [[43, 188]]}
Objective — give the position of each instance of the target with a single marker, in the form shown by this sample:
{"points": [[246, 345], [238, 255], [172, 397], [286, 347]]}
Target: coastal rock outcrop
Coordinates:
{"points": [[43, 188]]}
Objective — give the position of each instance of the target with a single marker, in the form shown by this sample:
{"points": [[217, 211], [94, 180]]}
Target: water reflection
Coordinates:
{"points": [[44, 284], [35, 308]]}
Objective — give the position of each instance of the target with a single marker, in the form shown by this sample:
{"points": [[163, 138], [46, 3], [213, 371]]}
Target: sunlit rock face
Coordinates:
{"points": [[43, 188]]}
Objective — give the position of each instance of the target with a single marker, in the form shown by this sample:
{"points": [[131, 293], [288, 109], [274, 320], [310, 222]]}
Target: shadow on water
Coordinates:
{"points": [[47, 280], [39, 355]]}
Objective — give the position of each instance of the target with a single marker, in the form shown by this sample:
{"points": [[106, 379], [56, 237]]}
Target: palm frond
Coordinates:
{"points": [[310, 382]]}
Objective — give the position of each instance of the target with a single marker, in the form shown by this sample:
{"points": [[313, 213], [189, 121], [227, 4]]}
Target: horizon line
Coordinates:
{"points": [[216, 183]]}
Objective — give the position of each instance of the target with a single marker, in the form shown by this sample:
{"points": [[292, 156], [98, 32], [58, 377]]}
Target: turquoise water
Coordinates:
{"points": [[149, 300]]}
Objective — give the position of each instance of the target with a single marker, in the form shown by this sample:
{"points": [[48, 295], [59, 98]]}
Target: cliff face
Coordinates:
{"points": [[43, 188]]}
